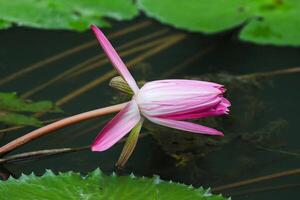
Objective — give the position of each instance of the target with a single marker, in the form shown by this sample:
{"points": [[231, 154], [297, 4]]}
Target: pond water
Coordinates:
{"points": [[261, 133]]}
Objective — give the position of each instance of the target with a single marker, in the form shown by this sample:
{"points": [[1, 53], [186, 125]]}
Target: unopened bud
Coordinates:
{"points": [[120, 84]]}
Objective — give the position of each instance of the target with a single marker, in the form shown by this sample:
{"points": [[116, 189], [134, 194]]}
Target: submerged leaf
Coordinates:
{"points": [[11, 102], [67, 14], [239, 125], [265, 21], [12, 110], [11, 118], [98, 186]]}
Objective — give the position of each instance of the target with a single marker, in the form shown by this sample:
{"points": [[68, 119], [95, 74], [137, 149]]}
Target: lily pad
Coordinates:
{"points": [[98, 186], [67, 14], [263, 21]]}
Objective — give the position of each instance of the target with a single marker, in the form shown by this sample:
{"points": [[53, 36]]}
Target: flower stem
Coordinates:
{"points": [[58, 125]]}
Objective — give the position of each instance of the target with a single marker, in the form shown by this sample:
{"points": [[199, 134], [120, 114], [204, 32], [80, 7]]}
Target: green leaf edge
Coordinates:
{"points": [[98, 173], [161, 19]]}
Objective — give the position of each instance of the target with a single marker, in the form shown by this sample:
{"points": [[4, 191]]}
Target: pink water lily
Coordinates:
{"points": [[164, 102]]}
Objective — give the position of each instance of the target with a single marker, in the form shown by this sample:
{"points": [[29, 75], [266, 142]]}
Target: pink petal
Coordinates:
{"points": [[185, 126], [115, 58], [194, 83], [199, 115], [220, 109], [181, 99], [225, 102], [178, 107], [117, 128], [173, 89]]}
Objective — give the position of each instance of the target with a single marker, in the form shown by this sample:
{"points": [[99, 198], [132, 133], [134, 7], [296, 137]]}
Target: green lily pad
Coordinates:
{"points": [[67, 14], [98, 186], [279, 24], [263, 21]]}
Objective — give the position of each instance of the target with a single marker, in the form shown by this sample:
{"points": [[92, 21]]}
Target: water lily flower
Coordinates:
{"points": [[164, 102]]}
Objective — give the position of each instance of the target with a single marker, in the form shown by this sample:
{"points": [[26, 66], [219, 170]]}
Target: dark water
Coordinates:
{"points": [[255, 109]]}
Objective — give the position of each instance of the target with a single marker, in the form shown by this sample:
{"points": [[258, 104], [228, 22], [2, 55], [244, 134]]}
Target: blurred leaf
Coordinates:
{"points": [[4, 24], [265, 21], [12, 107], [67, 14], [97, 186]]}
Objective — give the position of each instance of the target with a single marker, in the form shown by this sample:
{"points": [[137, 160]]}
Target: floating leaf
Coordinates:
{"points": [[278, 23], [12, 110], [67, 14], [265, 21], [98, 186]]}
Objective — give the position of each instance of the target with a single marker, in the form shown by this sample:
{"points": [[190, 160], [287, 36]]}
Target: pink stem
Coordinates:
{"points": [[58, 125]]}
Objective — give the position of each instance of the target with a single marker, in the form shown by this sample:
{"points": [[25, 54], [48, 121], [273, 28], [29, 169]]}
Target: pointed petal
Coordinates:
{"points": [[184, 116], [115, 58], [118, 127], [185, 126], [129, 145]]}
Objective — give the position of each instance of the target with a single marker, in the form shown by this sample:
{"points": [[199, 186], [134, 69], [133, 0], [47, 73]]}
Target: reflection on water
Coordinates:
{"points": [[261, 134]]}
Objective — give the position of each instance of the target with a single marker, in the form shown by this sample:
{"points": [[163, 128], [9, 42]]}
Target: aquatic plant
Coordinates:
{"points": [[264, 22], [164, 102], [67, 14], [96, 185]]}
